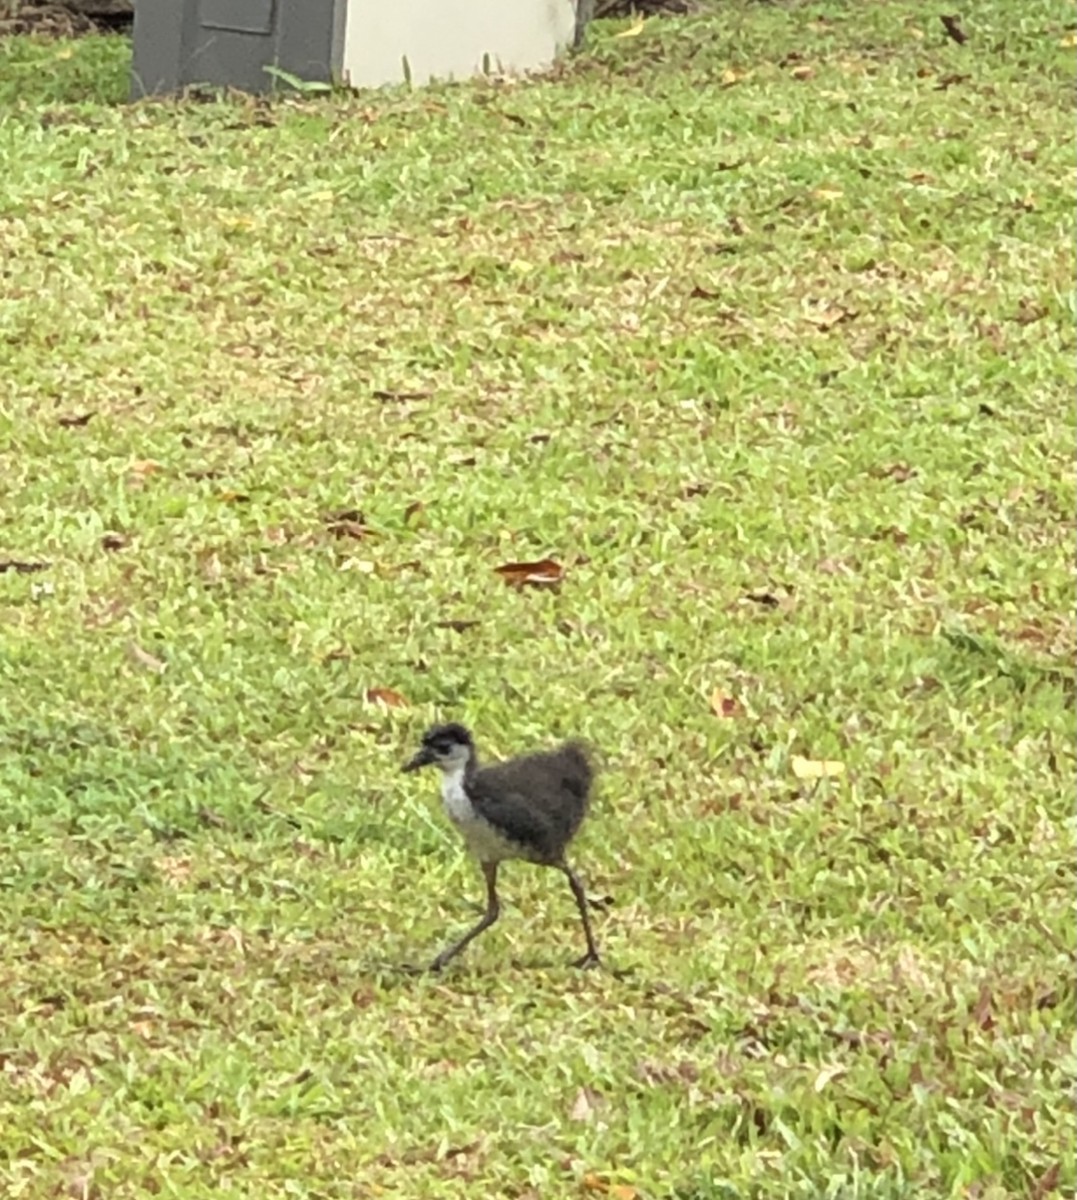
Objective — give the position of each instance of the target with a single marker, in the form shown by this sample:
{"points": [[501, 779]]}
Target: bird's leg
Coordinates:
{"points": [[591, 958], [493, 909]]}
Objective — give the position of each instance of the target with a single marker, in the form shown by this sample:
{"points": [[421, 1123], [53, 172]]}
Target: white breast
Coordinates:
{"points": [[483, 840], [457, 804]]}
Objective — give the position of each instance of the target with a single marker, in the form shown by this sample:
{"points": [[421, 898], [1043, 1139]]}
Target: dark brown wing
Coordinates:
{"points": [[539, 800]]}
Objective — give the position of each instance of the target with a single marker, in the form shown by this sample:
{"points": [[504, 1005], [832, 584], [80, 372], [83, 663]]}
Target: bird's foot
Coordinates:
{"points": [[589, 961]]}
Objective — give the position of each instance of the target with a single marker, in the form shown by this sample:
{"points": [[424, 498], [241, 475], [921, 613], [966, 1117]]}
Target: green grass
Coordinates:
{"points": [[774, 303]]}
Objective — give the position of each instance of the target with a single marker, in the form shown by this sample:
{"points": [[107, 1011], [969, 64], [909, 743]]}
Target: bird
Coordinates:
{"points": [[528, 808]]}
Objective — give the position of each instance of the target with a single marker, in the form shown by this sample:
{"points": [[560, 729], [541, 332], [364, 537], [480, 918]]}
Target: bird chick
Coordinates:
{"points": [[527, 808]]}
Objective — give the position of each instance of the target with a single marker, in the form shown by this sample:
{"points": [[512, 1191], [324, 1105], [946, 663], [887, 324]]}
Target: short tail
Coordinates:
{"points": [[578, 772]]}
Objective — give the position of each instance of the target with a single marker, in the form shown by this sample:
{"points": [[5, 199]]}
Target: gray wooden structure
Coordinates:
{"points": [[358, 42]]}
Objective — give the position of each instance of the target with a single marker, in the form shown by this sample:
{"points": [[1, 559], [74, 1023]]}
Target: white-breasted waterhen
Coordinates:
{"points": [[527, 808]]}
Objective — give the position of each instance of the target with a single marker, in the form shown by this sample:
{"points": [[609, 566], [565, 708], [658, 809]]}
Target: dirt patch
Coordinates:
{"points": [[49, 18]]}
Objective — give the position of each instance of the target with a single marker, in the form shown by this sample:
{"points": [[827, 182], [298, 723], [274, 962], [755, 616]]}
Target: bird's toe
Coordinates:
{"points": [[588, 962]]}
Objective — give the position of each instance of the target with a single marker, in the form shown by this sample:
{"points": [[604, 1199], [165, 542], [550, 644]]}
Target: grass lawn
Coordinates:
{"points": [[760, 324]]}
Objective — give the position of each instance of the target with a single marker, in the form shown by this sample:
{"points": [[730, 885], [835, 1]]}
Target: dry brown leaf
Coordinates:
{"points": [[22, 568], [899, 472], [828, 1074], [145, 659], [1047, 1182], [982, 1012], [954, 32], [75, 421], [816, 768], [583, 1106], [545, 572], [174, 870], [146, 466], [593, 1182], [723, 705], [385, 696]]}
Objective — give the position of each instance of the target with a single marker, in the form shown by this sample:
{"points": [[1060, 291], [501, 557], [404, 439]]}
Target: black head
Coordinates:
{"points": [[444, 746]]}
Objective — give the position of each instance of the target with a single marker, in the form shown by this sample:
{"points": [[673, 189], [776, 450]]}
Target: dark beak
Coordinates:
{"points": [[423, 759]]}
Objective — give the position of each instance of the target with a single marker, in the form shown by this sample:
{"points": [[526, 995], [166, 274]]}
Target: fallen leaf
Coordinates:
{"points": [[634, 30], [584, 1105], [544, 573], [113, 541], [1047, 1182], [766, 599], [702, 293], [827, 318], [802, 72], [382, 394], [945, 82], [1029, 311], [230, 497], [982, 1012], [952, 25], [828, 193], [730, 77], [146, 466], [723, 705], [21, 567], [77, 421], [145, 659], [350, 529], [386, 696], [899, 472], [828, 1074], [816, 768], [176, 871]]}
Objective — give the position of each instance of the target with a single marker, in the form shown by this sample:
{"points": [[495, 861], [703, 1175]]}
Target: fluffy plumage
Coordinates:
{"points": [[528, 808]]}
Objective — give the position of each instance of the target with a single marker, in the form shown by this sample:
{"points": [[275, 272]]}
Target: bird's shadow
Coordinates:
{"points": [[389, 973]]}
